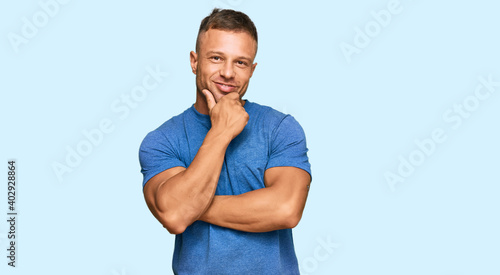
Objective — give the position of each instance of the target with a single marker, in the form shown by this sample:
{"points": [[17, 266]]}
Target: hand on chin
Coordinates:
{"points": [[218, 94]]}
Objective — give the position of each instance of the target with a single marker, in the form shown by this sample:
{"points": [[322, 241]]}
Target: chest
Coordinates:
{"points": [[244, 163]]}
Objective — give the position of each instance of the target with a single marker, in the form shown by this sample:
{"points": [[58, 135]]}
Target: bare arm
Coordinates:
{"points": [[277, 206], [178, 196]]}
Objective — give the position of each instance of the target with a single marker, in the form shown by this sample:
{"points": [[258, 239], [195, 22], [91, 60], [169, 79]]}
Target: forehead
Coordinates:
{"points": [[237, 43]]}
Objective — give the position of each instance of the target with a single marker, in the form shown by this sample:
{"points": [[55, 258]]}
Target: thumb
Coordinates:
{"points": [[210, 99]]}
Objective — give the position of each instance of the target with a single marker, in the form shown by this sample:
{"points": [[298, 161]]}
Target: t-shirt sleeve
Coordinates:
{"points": [[288, 146], [156, 154]]}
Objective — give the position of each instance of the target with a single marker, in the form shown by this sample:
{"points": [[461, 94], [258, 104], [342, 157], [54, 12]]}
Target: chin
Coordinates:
{"points": [[217, 98], [218, 95]]}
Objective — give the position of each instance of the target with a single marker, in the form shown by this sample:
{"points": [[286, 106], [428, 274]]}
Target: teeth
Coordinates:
{"points": [[225, 86]]}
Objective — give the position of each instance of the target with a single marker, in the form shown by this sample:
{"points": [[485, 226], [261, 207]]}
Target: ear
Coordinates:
{"points": [[253, 68], [193, 57]]}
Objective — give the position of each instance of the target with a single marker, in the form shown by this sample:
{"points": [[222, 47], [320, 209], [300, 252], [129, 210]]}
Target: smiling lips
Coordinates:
{"points": [[226, 88]]}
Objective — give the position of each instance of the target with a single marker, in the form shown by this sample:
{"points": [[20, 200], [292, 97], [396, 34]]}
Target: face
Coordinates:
{"points": [[224, 64]]}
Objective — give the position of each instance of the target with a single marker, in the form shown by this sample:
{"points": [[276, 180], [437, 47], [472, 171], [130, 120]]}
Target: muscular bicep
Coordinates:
{"points": [[287, 175], [153, 185], [292, 187]]}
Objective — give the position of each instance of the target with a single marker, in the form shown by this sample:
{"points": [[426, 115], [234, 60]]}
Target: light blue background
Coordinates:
{"points": [[359, 117]]}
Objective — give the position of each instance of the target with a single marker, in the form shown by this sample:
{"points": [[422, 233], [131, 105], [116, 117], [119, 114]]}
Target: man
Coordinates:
{"points": [[228, 176]]}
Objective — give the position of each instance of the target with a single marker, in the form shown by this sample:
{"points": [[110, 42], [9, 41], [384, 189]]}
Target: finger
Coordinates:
{"points": [[210, 99], [232, 96], [235, 97]]}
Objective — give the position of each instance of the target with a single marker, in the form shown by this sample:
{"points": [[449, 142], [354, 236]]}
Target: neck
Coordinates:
{"points": [[201, 104]]}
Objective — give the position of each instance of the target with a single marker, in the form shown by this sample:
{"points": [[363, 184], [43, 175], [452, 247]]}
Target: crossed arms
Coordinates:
{"points": [[179, 196]]}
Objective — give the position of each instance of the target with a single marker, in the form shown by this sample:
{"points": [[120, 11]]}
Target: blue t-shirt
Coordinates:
{"points": [[269, 139]]}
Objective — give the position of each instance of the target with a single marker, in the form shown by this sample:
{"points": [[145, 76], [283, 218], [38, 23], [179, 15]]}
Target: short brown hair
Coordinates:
{"points": [[227, 19]]}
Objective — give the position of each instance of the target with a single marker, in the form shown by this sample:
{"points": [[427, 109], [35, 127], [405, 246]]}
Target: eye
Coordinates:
{"points": [[242, 63], [216, 58]]}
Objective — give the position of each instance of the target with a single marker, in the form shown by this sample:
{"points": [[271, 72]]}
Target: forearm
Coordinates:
{"points": [[261, 210], [184, 197]]}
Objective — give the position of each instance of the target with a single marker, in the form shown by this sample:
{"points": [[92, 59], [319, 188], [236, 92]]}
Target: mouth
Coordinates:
{"points": [[226, 88]]}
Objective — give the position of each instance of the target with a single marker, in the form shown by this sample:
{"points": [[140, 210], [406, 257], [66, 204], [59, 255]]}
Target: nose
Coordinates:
{"points": [[227, 70]]}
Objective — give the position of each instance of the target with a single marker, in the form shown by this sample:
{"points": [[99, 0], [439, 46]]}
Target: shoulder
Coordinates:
{"points": [[173, 123], [166, 131], [271, 117], [265, 114]]}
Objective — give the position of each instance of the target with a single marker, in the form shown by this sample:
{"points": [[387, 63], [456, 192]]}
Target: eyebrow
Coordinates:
{"points": [[221, 53]]}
